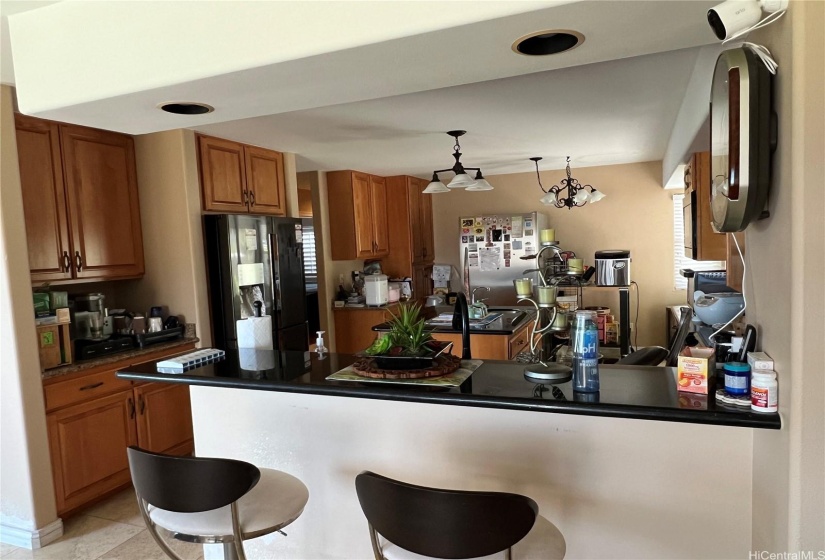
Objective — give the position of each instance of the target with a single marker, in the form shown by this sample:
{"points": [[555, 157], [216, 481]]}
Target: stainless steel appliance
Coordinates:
{"points": [[491, 250], [613, 268], [256, 258]]}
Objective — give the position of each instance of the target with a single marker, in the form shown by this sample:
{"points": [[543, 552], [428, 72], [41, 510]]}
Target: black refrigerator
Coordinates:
{"points": [[256, 258]]}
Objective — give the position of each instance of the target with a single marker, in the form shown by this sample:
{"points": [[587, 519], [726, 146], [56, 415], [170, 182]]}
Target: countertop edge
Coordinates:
{"points": [[772, 422], [80, 367]]}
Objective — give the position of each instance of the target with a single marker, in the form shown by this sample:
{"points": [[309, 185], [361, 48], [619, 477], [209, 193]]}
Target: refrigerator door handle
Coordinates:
{"points": [[275, 275]]}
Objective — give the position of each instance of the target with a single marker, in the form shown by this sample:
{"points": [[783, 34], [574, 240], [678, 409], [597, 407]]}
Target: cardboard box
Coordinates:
{"points": [[760, 361], [696, 370]]}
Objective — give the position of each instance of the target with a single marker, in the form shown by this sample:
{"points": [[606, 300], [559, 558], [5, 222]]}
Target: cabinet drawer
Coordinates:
{"points": [[518, 342], [83, 388]]}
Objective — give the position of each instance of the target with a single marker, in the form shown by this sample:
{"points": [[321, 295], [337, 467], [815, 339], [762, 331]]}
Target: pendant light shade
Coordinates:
{"points": [[596, 196], [435, 186], [549, 199], [460, 181], [481, 183]]}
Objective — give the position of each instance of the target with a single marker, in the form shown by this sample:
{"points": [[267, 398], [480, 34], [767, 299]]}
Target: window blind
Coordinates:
{"points": [[310, 259], [681, 261]]}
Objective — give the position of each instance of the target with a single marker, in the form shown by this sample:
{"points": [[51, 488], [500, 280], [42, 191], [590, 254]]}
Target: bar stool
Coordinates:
{"points": [[408, 522], [211, 500]]}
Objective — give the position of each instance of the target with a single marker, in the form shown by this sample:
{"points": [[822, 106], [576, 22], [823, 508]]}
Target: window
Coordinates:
{"points": [[310, 259], [680, 261]]}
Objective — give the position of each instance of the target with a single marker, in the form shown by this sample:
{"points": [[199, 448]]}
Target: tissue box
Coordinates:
{"points": [[760, 361], [696, 370]]}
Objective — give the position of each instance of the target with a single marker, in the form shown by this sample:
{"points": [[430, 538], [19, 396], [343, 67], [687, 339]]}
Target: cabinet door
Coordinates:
{"points": [[44, 199], [164, 418], [265, 181], [426, 219], [710, 246], [378, 204], [362, 208], [414, 197], [223, 175], [88, 448], [422, 281], [104, 211]]}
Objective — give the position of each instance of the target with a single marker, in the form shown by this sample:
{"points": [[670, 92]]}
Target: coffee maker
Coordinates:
{"points": [[89, 313]]}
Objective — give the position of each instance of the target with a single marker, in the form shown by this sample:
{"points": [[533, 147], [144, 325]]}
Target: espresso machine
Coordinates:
{"points": [[93, 329]]}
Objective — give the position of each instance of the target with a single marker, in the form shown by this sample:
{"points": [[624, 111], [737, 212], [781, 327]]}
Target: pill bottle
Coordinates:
{"points": [[737, 378], [764, 391]]}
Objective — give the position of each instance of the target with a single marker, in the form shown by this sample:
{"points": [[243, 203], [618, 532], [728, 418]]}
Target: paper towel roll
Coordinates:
{"points": [[255, 332], [256, 360]]}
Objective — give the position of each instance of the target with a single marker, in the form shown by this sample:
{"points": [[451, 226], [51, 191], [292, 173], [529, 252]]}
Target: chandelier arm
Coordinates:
{"points": [[443, 170]]}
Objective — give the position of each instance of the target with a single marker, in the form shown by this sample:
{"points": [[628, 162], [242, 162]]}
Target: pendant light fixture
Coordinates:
{"points": [[461, 180], [575, 194]]}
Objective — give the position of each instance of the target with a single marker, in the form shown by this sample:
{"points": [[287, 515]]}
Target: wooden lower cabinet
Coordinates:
{"points": [[490, 346], [93, 418], [353, 327], [164, 418], [88, 444]]}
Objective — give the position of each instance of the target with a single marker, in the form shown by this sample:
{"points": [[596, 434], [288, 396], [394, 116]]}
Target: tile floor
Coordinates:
{"points": [[110, 530]]}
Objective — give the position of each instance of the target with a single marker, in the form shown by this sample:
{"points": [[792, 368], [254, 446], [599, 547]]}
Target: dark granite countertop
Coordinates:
{"points": [[117, 357], [640, 392]]}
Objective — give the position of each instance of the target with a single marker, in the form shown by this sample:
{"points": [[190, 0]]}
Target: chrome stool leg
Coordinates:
{"points": [[153, 531]]}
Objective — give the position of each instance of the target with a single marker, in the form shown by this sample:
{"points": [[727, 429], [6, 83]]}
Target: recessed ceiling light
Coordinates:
{"points": [[543, 43], [186, 108]]}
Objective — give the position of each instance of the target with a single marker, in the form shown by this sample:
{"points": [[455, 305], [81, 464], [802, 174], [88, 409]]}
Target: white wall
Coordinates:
{"points": [[637, 214], [788, 485], [616, 488], [27, 502], [170, 203]]}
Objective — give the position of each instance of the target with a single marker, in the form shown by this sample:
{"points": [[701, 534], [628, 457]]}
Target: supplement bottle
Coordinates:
{"points": [[764, 391]]}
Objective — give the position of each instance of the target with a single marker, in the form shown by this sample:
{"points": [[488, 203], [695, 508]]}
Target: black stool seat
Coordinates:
{"points": [[409, 522], [213, 500]]}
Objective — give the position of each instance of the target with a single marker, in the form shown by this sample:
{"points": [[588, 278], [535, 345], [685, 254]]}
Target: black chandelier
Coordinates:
{"points": [[575, 193], [461, 180]]}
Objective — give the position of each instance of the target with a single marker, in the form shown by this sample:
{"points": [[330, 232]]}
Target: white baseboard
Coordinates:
{"points": [[25, 538]]}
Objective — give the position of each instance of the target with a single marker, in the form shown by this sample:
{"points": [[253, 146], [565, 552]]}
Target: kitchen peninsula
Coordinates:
{"points": [[612, 481]]}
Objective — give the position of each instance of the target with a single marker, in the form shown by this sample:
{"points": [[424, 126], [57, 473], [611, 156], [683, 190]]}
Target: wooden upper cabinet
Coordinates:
{"points": [[44, 199], [358, 222], [426, 216], [101, 188], [378, 203], [701, 242], [265, 180], [80, 202], [236, 178], [410, 221], [223, 175], [734, 265]]}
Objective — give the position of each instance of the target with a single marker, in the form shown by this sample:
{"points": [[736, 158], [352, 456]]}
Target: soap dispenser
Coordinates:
{"points": [[319, 343]]}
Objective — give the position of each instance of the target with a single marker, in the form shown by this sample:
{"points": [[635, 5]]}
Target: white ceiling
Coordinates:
{"points": [[371, 85]]}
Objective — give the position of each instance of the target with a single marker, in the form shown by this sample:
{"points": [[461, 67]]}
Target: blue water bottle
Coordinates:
{"points": [[585, 352]]}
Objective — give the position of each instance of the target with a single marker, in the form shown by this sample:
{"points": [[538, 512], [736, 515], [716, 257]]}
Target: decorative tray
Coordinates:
{"points": [[399, 363], [454, 379]]}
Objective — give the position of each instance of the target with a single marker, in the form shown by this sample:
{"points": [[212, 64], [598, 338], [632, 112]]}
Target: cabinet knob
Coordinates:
{"points": [[141, 404], [67, 262], [131, 408], [252, 198], [79, 260], [246, 197]]}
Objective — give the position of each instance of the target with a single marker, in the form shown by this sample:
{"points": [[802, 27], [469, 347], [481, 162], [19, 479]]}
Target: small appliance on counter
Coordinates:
{"points": [[613, 267], [717, 309], [376, 290], [709, 282]]}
